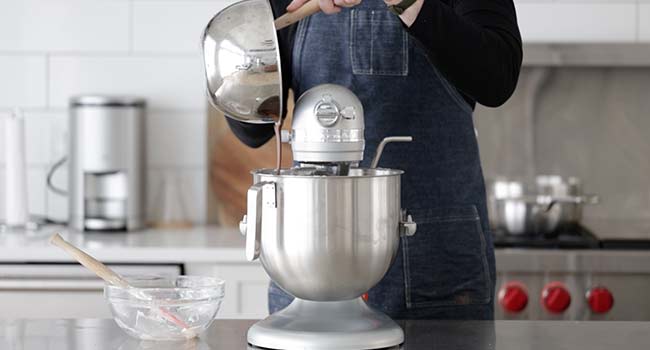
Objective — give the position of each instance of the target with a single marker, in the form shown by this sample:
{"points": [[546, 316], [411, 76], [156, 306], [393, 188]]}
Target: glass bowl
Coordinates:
{"points": [[165, 308]]}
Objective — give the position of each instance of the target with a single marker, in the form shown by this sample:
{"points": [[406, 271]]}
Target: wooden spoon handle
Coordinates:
{"points": [[89, 262], [290, 18]]}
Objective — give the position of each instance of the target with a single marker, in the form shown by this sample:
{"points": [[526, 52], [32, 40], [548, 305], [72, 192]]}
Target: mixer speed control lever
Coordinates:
{"points": [[407, 226]]}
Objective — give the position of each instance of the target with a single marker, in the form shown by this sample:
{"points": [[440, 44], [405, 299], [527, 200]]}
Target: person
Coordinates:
{"points": [[419, 73]]}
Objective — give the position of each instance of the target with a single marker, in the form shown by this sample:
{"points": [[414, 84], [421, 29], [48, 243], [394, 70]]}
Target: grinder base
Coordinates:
{"points": [[339, 325]]}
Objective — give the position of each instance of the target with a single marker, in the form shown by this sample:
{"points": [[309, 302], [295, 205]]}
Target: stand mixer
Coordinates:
{"points": [[326, 231]]}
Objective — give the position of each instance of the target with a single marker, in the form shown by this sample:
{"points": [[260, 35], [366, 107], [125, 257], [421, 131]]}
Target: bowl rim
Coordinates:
{"points": [[366, 173], [110, 290]]}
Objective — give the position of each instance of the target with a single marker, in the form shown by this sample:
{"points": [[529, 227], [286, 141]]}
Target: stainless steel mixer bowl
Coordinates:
{"points": [[336, 236], [242, 62]]}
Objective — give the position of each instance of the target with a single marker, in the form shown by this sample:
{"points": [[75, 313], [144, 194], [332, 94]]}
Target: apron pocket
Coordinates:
{"points": [[445, 261], [378, 43]]}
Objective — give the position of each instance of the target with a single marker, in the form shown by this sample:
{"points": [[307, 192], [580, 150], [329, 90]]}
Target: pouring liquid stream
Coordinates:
{"points": [[277, 127]]}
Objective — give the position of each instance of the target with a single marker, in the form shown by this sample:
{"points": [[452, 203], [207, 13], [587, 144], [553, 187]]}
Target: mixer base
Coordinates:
{"points": [[332, 325]]}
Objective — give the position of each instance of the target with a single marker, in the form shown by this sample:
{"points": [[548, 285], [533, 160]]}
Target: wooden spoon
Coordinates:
{"points": [[290, 18], [111, 277]]}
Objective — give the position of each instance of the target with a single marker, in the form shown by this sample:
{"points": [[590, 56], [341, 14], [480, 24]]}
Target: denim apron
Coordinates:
{"points": [[446, 270]]}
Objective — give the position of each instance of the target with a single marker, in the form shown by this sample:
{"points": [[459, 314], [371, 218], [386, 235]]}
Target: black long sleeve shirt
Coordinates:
{"points": [[475, 43]]}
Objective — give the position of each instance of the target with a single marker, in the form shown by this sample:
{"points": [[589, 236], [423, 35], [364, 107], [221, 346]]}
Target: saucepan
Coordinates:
{"points": [[554, 203], [242, 60]]}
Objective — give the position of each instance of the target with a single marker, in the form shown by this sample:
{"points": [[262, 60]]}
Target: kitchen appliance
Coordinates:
{"points": [[326, 231], [554, 203], [242, 60], [106, 164], [565, 237], [594, 272], [574, 284]]}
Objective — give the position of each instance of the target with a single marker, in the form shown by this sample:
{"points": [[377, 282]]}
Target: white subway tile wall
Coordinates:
{"points": [[64, 25], [51, 50], [180, 185], [36, 190], [170, 139], [44, 141], [56, 205], [171, 26], [23, 80], [166, 82]]}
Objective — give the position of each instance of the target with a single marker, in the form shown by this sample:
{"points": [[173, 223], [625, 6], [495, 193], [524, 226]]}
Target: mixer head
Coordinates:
{"points": [[327, 130]]}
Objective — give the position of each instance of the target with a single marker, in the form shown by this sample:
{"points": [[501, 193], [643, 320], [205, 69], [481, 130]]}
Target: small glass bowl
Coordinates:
{"points": [[165, 308]]}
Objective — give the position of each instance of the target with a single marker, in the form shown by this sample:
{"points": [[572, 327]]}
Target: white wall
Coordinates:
{"points": [[53, 49]]}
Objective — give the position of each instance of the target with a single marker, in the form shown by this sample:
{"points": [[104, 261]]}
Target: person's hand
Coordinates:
{"points": [[411, 13], [327, 6]]}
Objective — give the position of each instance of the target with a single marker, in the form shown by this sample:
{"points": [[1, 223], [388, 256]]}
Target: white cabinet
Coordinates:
{"points": [[71, 291], [39, 281], [578, 21], [61, 290], [246, 288]]}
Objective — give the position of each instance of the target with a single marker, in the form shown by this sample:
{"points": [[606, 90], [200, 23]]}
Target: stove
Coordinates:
{"points": [[579, 273], [570, 237]]}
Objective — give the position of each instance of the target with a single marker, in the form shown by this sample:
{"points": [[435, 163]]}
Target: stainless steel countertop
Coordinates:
{"points": [[420, 335]]}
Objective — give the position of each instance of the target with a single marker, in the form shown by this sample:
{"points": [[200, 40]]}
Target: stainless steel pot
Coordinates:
{"points": [[555, 202], [325, 238], [558, 186]]}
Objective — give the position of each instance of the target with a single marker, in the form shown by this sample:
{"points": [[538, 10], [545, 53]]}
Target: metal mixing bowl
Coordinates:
{"points": [[242, 62], [336, 236]]}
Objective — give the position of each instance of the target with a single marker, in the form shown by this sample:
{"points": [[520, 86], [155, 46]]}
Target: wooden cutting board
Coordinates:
{"points": [[230, 165]]}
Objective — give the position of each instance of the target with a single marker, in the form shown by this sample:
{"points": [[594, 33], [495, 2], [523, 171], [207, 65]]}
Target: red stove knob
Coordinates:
{"points": [[555, 297], [513, 297], [600, 300]]}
